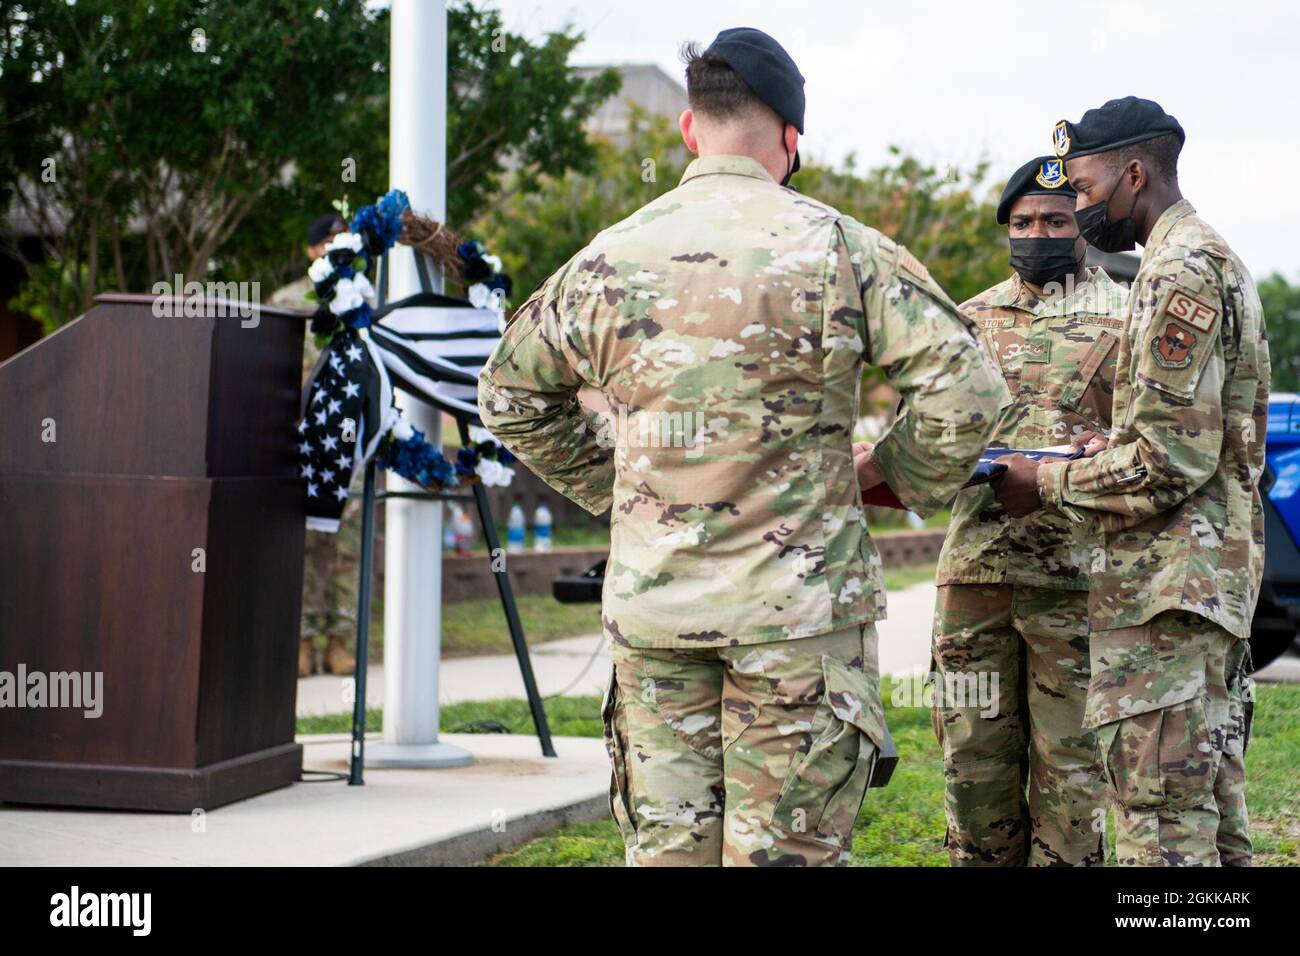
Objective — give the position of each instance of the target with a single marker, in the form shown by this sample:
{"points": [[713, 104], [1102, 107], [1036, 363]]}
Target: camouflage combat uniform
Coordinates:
{"points": [[1174, 588], [1013, 598], [732, 318]]}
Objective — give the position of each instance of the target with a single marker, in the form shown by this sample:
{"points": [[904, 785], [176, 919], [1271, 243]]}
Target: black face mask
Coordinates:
{"points": [[1098, 230], [792, 163], [1040, 261]]}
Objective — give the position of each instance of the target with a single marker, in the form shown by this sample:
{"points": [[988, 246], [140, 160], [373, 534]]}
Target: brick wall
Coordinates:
{"points": [[470, 577]]}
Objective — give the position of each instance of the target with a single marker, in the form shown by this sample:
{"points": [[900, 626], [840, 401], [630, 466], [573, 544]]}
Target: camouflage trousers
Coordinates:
{"points": [[1171, 700], [754, 755], [1026, 733]]}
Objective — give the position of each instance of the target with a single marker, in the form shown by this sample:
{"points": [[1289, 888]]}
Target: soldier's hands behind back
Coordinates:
{"points": [[869, 473]]}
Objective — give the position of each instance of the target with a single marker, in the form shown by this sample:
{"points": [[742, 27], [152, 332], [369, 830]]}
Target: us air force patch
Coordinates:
{"points": [[1173, 349], [1061, 138], [1051, 175], [912, 265]]}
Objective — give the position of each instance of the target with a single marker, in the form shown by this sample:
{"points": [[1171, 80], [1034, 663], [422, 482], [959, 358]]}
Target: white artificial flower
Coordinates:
{"points": [[321, 269], [363, 286], [479, 434], [346, 297], [493, 474], [344, 240], [402, 429], [480, 296], [494, 262]]}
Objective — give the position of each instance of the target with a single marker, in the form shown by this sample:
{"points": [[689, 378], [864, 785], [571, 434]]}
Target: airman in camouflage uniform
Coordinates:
{"points": [[1013, 599], [1176, 496], [731, 318]]}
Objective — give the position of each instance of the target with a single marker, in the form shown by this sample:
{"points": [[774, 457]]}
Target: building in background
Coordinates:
{"points": [[645, 86]]}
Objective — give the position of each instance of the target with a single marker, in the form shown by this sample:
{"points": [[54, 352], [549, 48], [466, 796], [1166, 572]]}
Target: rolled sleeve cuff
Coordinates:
{"points": [[1051, 484]]}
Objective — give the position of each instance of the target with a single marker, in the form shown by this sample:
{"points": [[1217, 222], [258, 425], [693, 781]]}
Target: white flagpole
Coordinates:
{"points": [[417, 163]]}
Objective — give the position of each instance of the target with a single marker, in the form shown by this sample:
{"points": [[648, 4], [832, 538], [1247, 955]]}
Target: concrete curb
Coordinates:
{"points": [[474, 846]]}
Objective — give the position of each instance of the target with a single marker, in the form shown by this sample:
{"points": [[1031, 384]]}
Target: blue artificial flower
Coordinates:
{"points": [[471, 250], [418, 461]]}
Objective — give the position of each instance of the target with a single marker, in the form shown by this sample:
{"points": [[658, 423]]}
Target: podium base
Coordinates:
{"points": [[159, 789], [417, 756]]}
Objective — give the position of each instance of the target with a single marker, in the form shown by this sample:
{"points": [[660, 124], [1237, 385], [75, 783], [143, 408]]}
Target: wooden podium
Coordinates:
{"points": [[151, 529]]}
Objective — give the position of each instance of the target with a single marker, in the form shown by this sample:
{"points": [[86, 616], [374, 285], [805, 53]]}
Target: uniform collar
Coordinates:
{"points": [[1014, 294], [722, 165], [1164, 224]]}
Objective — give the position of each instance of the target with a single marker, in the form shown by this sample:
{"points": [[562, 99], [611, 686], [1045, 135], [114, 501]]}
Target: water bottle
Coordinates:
{"points": [[449, 528], [515, 529], [464, 533], [542, 540]]}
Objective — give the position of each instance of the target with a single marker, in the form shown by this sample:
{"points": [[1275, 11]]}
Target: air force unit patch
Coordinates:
{"points": [[1051, 175], [1061, 138], [1173, 349]]}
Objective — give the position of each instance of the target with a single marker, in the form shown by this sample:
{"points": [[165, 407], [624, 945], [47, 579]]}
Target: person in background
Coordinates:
{"points": [[330, 570], [1013, 594]]}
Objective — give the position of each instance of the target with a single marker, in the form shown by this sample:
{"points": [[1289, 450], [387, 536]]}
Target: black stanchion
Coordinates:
{"points": [[363, 627], [508, 604]]}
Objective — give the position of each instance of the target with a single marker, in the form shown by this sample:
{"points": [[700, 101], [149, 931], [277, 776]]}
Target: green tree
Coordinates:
{"points": [[537, 227], [512, 104], [946, 217], [144, 139], [1281, 302]]}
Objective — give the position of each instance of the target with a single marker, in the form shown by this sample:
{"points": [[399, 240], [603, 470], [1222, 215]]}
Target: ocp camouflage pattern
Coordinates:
{"points": [[1058, 357], [756, 307], [1177, 492]]}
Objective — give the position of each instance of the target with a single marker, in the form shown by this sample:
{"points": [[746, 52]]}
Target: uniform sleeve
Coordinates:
{"points": [[528, 400], [952, 392], [1175, 413]]}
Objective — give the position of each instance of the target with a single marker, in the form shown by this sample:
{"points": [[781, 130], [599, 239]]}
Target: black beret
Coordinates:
{"points": [[1044, 176], [1117, 123], [320, 229], [766, 69]]}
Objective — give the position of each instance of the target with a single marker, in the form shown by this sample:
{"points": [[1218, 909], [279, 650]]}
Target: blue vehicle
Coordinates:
{"points": [[1277, 618]]}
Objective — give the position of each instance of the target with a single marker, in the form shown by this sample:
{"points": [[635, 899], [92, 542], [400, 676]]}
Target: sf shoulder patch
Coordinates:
{"points": [[1191, 310]]}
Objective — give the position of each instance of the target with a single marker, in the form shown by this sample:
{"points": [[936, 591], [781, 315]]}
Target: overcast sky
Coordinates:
{"points": [[953, 81]]}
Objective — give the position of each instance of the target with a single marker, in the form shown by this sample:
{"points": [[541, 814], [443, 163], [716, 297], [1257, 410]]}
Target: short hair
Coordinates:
{"points": [[713, 88], [1159, 155]]}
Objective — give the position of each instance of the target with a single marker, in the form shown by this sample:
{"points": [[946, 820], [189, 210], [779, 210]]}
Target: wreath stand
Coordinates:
{"points": [[464, 411]]}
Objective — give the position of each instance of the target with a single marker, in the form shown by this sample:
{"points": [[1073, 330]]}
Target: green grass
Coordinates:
{"points": [[902, 824], [898, 578], [479, 627]]}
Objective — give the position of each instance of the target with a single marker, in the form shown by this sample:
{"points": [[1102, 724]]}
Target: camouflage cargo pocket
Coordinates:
{"points": [[1146, 668], [1162, 758], [824, 788], [611, 715]]}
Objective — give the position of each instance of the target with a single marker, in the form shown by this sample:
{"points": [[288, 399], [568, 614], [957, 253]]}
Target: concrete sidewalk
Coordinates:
{"points": [[579, 666], [509, 795]]}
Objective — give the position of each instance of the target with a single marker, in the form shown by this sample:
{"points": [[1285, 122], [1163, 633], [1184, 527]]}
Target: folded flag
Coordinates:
{"points": [[986, 469]]}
